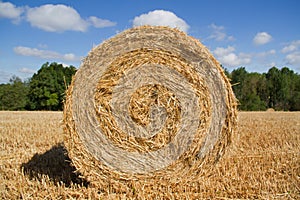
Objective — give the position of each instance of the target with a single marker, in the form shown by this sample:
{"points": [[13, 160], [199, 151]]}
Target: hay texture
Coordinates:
{"points": [[148, 108]]}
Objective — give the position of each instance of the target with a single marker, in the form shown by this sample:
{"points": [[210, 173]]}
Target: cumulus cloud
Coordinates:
{"points": [[27, 51], [9, 10], [219, 34], [161, 18], [43, 46], [293, 58], [292, 46], [265, 58], [56, 18], [100, 23], [228, 57], [292, 52], [60, 18], [5, 76], [52, 18], [262, 38], [267, 53], [26, 70]]}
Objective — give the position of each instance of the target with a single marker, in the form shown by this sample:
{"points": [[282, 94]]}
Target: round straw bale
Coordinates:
{"points": [[150, 106]]}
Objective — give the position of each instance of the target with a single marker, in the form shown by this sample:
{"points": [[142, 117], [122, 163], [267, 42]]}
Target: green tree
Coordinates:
{"points": [[262, 89], [278, 89], [274, 86], [294, 101], [290, 89], [237, 80], [249, 88], [252, 87], [13, 95], [287, 89], [283, 89], [48, 85]]}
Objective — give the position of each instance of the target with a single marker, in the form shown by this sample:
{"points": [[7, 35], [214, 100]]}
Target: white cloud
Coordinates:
{"points": [[271, 64], [60, 18], [52, 18], [262, 38], [292, 46], [219, 34], [293, 58], [65, 65], [56, 18], [220, 51], [27, 51], [228, 57], [272, 51], [265, 58], [43, 46], [161, 18], [5, 76], [266, 53], [100, 23], [9, 10], [292, 53], [26, 70]]}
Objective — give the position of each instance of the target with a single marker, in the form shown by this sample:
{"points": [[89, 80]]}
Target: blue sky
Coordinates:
{"points": [[256, 34]]}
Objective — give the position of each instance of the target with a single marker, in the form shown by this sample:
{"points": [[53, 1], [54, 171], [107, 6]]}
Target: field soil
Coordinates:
{"points": [[262, 162]]}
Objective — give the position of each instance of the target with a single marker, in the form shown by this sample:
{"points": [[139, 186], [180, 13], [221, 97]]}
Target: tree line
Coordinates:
{"points": [[45, 90], [278, 89]]}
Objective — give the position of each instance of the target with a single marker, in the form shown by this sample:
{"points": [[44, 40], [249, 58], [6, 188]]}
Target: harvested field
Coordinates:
{"points": [[263, 161]]}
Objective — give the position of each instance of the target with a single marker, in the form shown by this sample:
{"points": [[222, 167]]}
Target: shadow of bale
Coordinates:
{"points": [[56, 164]]}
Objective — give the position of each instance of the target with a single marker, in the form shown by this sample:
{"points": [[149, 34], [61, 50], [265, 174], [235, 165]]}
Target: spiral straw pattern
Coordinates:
{"points": [[149, 106]]}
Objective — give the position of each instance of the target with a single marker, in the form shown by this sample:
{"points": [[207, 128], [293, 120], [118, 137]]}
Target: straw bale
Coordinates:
{"points": [[148, 109]]}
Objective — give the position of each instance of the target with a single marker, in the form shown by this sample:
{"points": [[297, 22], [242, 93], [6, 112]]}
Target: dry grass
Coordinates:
{"points": [[262, 162], [190, 121]]}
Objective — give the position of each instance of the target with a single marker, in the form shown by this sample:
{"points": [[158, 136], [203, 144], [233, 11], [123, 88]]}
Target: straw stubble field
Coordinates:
{"points": [[263, 161]]}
